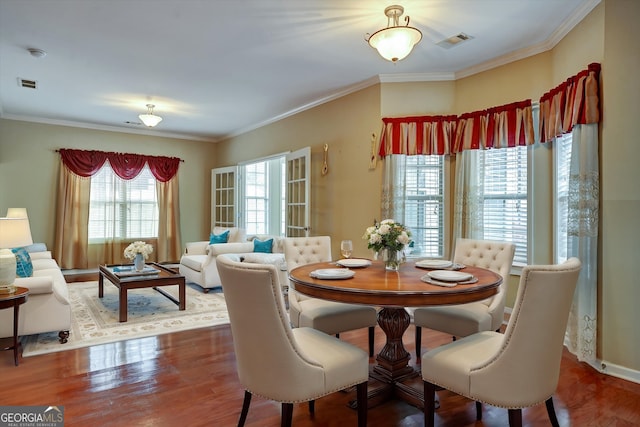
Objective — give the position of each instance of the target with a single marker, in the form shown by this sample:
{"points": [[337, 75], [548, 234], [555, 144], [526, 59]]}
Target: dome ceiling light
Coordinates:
{"points": [[395, 42], [150, 119]]}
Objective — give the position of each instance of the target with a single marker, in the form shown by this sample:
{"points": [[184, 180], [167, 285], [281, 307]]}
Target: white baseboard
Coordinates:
{"points": [[617, 371], [601, 366]]}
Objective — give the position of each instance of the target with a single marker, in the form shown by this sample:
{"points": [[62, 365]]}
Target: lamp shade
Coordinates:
{"points": [[17, 213], [150, 119], [396, 41], [14, 233]]}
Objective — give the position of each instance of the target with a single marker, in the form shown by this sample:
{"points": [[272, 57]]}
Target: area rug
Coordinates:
{"points": [[95, 320]]}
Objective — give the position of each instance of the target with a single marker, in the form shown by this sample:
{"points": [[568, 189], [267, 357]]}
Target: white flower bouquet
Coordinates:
{"points": [[138, 248], [387, 234]]}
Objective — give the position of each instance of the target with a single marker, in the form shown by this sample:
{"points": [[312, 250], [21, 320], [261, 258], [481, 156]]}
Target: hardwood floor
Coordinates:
{"points": [[189, 379]]}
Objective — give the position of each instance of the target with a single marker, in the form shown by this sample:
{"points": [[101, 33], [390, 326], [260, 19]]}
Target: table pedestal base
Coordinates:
{"points": [[392, 377]]}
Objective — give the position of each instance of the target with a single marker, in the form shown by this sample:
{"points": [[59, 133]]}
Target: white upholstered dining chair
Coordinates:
{"points": [[466, 319], [275, 361], [519, 368], [327, 316]]}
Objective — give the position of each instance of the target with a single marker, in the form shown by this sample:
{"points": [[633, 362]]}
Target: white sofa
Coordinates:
{"points": [[47, 308], [198, 263]]}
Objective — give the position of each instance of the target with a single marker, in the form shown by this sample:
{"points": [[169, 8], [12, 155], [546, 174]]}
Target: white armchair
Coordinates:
{"points": [[519, 368], [327, 316], [275, 361], [466, 319]]}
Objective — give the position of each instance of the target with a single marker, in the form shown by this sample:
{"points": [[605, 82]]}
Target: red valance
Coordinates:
{"points": [[127, 166], [498, 127], [575, 101], [505, 126], [417, 135]]}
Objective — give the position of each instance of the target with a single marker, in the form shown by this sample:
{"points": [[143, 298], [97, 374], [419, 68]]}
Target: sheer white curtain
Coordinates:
{"points": [[582, 239], [394, 188], [468, 210]]}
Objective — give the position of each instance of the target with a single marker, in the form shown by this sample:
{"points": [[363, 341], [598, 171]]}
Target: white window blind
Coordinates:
{"points": [[424, 204], [562, 172], [504, 173], [122, 209]]}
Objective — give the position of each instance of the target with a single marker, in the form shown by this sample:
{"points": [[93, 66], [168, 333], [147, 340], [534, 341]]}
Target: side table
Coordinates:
{"points": [[14, 300]]}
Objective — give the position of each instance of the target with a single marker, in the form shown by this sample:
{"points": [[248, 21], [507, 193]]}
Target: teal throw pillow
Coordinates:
{"points": [[219, 238], [262, 246], [24, 267]]}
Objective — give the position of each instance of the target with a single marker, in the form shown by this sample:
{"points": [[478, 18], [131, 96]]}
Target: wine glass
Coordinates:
{"points": [[346, 248]]}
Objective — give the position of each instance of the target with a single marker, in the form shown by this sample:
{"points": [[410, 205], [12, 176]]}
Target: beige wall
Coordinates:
{"points": [[620, 193], [346, 200], [29, 168]]}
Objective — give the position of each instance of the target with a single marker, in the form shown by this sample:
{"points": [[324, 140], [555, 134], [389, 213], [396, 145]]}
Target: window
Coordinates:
{"points": [[504, 197], [562, 171], [424, 203], [264, 196], [120, 209], [424, 208], [263, 187]]}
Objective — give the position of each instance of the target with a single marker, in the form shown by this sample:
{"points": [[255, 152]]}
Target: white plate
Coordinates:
{"points": [[354, 262], [434, 263], [332, 273], [431, 281], [449, 276]]}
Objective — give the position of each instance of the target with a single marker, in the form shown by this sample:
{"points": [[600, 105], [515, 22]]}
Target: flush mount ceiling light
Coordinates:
{"points": [[150, 119], [394, 42]]}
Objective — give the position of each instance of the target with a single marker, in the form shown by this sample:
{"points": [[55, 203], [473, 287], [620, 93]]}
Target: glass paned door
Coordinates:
{"points": [[297, 198], [223, 197]]}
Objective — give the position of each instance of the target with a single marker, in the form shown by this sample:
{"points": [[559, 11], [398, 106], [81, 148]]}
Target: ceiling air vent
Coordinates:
{"points": [[454, 40], [29, 84]]}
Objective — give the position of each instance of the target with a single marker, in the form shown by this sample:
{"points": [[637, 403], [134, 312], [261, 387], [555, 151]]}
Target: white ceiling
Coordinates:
{"points": [[216, 68]]}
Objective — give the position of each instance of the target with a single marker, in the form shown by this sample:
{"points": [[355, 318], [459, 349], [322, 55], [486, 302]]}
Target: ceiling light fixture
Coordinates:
{"points": [[150, 119], [395, 42]]}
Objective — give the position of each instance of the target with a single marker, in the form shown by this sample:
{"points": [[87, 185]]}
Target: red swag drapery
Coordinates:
{"points": [[127, 166], [504, 126], [575, 101]]}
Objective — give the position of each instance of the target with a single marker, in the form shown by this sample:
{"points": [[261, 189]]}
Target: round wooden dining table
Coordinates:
{"points": [[392, 291]]}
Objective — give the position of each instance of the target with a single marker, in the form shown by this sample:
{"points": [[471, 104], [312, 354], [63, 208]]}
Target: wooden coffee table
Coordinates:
{"points": [[125, 281]]}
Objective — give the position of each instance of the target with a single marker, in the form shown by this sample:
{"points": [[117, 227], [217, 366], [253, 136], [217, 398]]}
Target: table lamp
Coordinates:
{"points": [[17, 213], [14, 233]]}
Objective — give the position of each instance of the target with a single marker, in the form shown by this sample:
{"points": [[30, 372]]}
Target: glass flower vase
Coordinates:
{"points": [[392, 259], [138, 262]]}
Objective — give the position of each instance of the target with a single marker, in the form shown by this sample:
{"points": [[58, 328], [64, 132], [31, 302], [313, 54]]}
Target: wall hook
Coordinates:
{"points": [[325, 162], [373, 159]]}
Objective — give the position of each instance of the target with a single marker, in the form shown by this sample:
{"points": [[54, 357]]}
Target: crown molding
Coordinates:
{"points": [[339, 94], [106, 128], [544, 46]]}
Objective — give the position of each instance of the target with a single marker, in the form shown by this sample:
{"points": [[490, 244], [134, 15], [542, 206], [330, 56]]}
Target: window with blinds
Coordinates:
{"points": [[504, 196], [122, 209], [562, 166], [424, 204], [263, 186]]}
